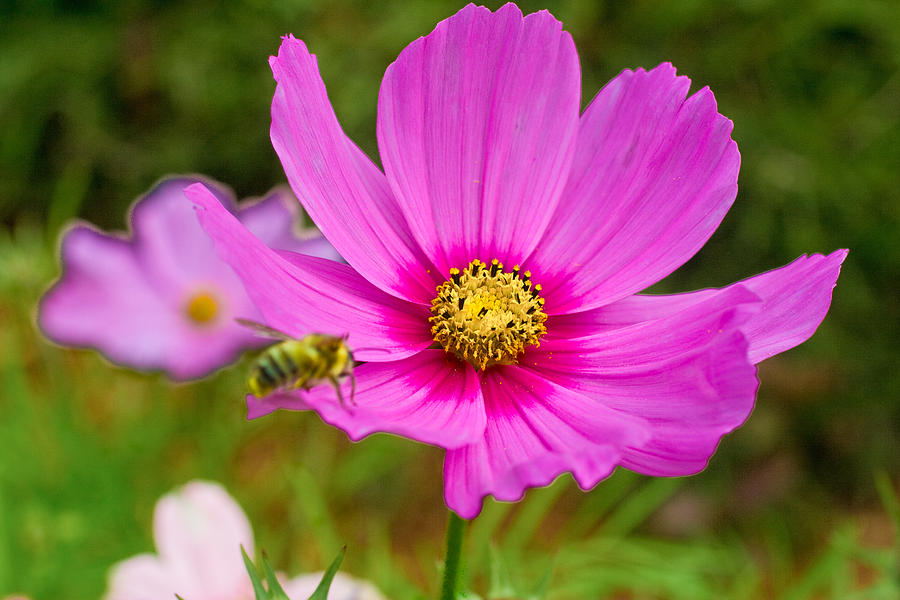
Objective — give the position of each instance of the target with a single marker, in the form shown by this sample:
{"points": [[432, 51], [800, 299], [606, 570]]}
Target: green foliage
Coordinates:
{"points": [[268, 587], [503, 586], [321, 592]]}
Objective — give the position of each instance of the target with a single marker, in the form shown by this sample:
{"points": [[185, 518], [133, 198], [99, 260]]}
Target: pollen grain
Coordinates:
{"points": [[488, 316]]}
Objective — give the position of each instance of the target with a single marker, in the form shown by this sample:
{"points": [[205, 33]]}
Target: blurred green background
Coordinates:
{"points": [[98, 99]]}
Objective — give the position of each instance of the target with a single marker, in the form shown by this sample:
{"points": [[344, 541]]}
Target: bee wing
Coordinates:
{"points": [[264, 329], [353, 351], [371, 349]]}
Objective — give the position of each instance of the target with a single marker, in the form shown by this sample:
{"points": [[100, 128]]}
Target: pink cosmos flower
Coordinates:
{"points": [[495, 263], [163, 299], [199, 530]]}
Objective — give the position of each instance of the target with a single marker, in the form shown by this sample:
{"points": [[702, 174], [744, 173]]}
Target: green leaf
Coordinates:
{"points": [[541, 592], [640, 505], [891, 502], [258, 589], [321, 592], [501, 586], [276, 592]]}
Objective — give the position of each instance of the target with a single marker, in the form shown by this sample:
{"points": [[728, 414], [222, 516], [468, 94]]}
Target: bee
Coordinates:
{"points": [[301, 363]]}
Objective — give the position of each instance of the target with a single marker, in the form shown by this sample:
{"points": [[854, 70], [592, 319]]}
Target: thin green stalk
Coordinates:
{"points": [[455, 527]]}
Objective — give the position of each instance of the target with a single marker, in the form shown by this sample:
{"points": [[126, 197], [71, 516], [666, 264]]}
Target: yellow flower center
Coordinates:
{"points": [[487, 316], [202, 308]]}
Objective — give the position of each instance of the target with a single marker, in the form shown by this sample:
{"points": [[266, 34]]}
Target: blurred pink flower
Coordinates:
{"points": [[163, 299], [544, 361], [199, 530]]}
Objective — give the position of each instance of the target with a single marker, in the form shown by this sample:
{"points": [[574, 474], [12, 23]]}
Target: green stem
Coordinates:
{"points": [[455, 527]]}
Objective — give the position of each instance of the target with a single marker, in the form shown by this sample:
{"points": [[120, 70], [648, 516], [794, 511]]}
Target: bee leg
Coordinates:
{"points": [[337, 388], [352, 388], [301, 384]]}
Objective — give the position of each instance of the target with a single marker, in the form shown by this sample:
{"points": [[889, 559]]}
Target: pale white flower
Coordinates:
{"points": [[199, 530]]}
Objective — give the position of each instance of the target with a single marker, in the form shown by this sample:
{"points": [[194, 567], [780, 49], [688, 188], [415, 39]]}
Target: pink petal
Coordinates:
{"points": [[300, 294], [103, 300], [345, 194], [430, 397], [687, 375], [274, 220], [95, 300], [795, 299], [653, 176], [476, 128], [313, 243], [142, 577], [288, 400], [178, 260], [199, 531], [172, 248], [535, 431]]}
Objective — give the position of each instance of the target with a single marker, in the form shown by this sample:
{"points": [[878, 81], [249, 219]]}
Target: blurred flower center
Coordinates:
{"points": [[202, 308], [487, 316]]}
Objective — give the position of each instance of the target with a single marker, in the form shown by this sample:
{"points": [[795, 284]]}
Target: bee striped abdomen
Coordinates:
{"points": [[262, 379], [281, 364], [271, 366], [287, 364], [265, 377]]}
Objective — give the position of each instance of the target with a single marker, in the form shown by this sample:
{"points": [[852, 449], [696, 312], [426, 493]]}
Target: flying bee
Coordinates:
{"points": [[301, 363]]}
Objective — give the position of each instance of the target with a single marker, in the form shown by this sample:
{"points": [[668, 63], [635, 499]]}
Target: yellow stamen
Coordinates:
{"points": [[202, 308], [487, 316]]}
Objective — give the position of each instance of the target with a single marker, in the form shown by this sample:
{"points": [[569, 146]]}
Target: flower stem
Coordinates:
{"points": [[455, 527]]}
